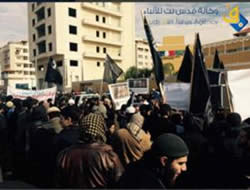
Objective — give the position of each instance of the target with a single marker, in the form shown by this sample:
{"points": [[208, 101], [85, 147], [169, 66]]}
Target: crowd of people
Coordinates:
{"points": [[145, 145]]}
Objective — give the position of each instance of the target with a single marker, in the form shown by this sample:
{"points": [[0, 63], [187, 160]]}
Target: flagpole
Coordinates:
{"points": [[192, 73], [228, 94], [161, 86], [101, 88]]}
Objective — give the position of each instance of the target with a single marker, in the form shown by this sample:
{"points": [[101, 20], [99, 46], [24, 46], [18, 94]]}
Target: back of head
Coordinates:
{"points": [[71, 102], [92, 129], [38, 114], [100, 109], [71, 112], [169, 145], [137, 119], [165, 109], [234, 119], [130, 110]]}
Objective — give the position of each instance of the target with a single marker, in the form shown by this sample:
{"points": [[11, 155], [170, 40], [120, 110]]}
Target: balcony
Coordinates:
{"points": [[86, 38], [105, 10], [100, 25], [92, 55]]}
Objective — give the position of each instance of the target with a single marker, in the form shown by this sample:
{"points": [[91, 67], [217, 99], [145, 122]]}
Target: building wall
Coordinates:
{"points": [[234, 53], [101, 28], [143, 54], [172, 43], [16, 68]]}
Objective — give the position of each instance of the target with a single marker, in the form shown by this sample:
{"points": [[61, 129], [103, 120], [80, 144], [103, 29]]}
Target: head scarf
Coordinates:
{"points": [[92, 127]]}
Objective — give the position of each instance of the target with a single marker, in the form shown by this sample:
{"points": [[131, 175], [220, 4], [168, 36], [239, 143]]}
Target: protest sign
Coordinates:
{"points": [[139, 86], [238, 82], [178, 95], [119, 93], [40, 95]]}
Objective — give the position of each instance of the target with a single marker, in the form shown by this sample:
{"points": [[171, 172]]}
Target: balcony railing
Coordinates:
{"points": [[106, 10], [101, 41], [99, 56], [101, 25]]}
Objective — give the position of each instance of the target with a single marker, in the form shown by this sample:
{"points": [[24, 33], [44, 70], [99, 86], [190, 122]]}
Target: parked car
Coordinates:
{"points": [[80, 97]]}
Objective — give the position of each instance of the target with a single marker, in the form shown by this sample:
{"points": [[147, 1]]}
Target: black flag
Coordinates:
{"points": [[200, 102], [217, 63], [111, 70], [158, 67], [52, 74], [185, 70]]}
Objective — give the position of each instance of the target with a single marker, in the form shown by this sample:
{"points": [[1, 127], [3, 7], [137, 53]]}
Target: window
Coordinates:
{"points": [[41, 68], [49, 29], [50, 46], [97, 49], [34, 37], [73, 63], [103, 19], [97, 18], [41, 30], [98, 64], [34, 52], [247, 48], [33, 22], [97, 33], [25, 57], [72, 12], [76, 78], [49, 12], [104, 35], [33, 6], [40, 14], [72, 46], [72, 29], [104, 50], [59, 63], [25, 50], [41, 47]]}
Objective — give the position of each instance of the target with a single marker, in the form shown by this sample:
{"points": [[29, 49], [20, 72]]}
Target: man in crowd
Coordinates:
{"points": [[91, 163], [159, 167]]}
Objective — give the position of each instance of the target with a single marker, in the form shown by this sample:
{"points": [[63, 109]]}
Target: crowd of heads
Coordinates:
{"points": [[174, 145]]}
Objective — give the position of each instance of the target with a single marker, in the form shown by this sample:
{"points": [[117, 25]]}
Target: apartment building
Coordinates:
{"points": [[234, 53], [16, 69], [78, 36], [143, 54]]}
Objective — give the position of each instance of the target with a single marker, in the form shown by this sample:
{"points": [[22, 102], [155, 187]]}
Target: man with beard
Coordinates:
{"points": [[159, 167]]}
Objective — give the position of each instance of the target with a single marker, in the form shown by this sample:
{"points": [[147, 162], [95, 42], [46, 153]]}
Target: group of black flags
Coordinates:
{"points": [[193, 70]]}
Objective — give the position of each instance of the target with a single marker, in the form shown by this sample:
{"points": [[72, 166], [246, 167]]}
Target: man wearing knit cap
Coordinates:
{"points": [[160, 166]]}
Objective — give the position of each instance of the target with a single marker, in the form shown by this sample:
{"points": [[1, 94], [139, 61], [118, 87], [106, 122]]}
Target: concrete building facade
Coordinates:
{"points": [[173, 48], [234, 53], [78, 35], [16, 69], [143, 54]]}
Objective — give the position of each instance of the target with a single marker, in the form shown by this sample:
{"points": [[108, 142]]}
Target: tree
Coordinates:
{"points": [[168, 69], [134, 72]]}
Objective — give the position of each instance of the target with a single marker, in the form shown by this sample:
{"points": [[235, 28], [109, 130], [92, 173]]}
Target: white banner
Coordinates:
{"points": [[239, 81], [139, 86], [178, 95], [119, 93], [40, 95]]}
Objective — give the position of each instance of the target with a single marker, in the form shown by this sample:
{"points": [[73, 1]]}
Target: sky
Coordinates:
{"points": [[210, 25]]}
